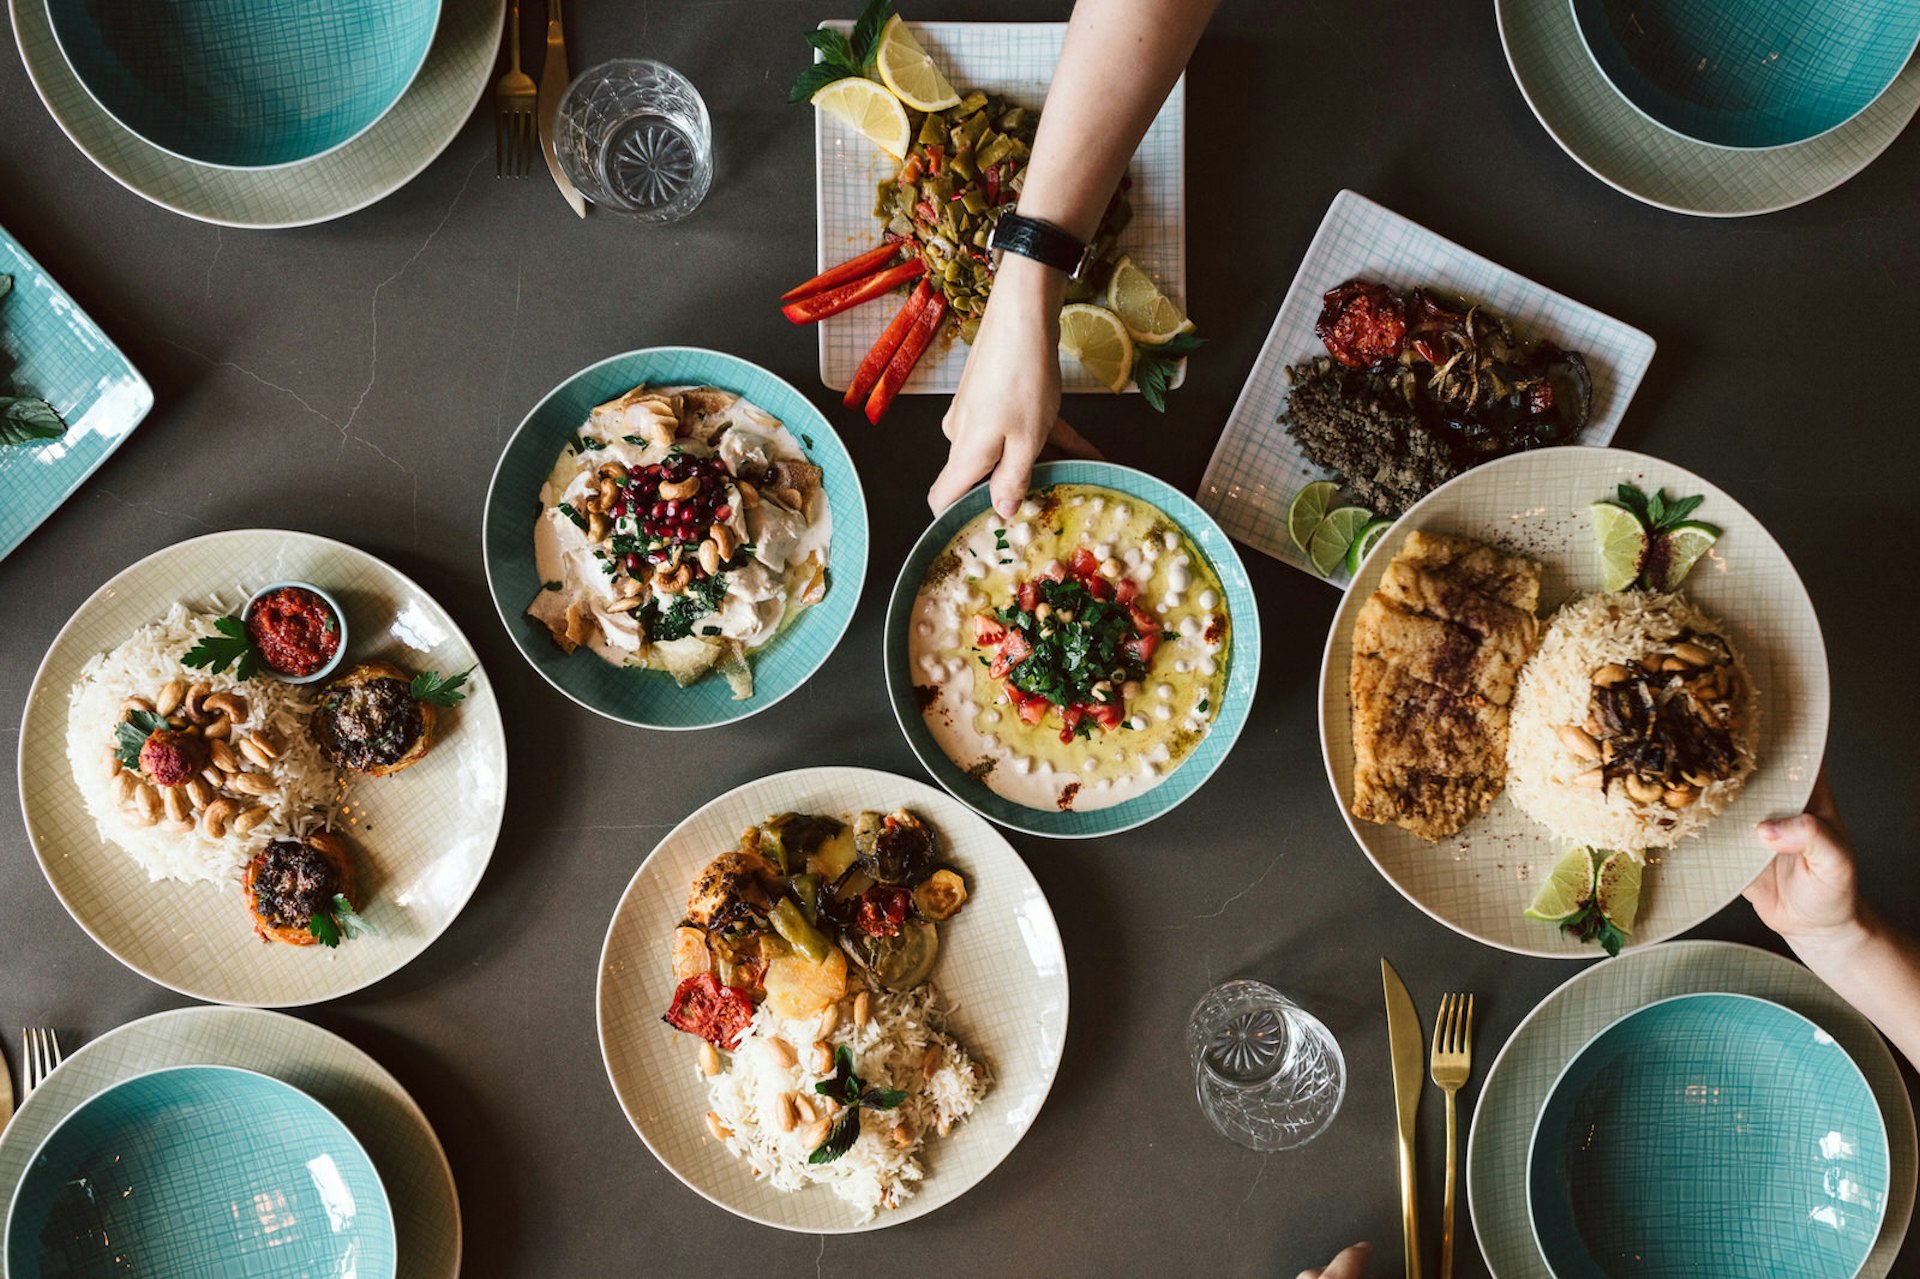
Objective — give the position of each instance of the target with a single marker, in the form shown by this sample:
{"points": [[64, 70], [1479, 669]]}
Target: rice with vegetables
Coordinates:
{"points": [[300, 784], [890, 1051], [1634, 724]]}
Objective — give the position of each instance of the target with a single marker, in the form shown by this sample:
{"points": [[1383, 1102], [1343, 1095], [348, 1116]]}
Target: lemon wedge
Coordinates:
{"points": [[1096, 337], [909, 72], [871, 109], [1149, 314]]}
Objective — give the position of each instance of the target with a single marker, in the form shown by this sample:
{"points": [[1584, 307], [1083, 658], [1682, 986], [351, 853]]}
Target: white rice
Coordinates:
{"points": [[888, 1053], [140, 667], [1555, 688]]}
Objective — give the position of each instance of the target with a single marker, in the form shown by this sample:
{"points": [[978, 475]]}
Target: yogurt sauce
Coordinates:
{"points": [[1168, 713], [762, 592]]}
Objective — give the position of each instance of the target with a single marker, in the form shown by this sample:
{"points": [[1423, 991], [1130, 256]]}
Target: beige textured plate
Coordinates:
{"points": [[1479, 882], [1523, 1073], [371, 1102], [1002, 973], [424, 835]]}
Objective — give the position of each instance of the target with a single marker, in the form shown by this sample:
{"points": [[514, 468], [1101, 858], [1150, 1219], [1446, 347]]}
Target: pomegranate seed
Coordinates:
{"points": [[657, 511], [633, 563], [723, 512]]}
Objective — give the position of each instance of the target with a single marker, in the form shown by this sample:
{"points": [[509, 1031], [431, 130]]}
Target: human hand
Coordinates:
{"points": [[1009, 396], [1807, 893], [1350, 1264]]}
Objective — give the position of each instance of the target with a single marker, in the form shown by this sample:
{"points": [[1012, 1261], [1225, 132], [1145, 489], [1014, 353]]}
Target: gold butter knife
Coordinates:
{"points": [[1403, 1037], [553, 84]]}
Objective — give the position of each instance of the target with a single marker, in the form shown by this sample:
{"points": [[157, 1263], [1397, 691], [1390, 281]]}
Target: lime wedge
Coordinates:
{"points": [[1684, 544], [1622, 541], [1327, 545], [1617, 889], [1568, 888], [1309, 507], [1363, 543]]}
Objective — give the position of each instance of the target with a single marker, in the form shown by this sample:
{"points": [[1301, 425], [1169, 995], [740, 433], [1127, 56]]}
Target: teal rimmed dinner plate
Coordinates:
{"points": [[1607, 136], [49, 348], [1243, 656], [644, 698], [1717, 1136], [458, 68], [213, 1171]]}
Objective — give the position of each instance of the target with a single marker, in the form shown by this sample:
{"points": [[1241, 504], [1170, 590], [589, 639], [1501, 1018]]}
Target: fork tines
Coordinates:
{"points": [[514, 139], [1453, 1026], [39, 1054]]}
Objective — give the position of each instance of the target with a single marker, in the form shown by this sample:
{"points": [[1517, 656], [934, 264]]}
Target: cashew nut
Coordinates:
{"points": [[232, 705], [146, 804], [251, 784], [123, 784], [724, 540], [596, 527], [214, 820], [192, 708], [223, 757], [672, 583], [749, 495], [248, 819], [137, 704], [682, 489], [175, 802], [255, 756], [661, 431], [630, 586], [220, 727], [626, 604], [199, 794], [710, 557], [609, 492], [616, 470]]}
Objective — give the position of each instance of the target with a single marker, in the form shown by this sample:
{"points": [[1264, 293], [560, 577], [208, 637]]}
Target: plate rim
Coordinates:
{"points": [[1239, 418], [877, 777], [1179, 377], [1625, 968], [1853, 170], [34, 693], [936, 761], [11, 241], [457, 123], [857, 586], [1566, 1068], [1341, 627], [365, 1062], [386, 1198]]}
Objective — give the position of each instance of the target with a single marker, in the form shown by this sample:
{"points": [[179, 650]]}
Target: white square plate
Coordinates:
{"points": [[1257, 467], [1014, 60]]}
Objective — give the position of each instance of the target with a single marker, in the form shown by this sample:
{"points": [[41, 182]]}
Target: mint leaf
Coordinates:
{"points": [[817, 77], [832, 45], [131, 733], [1154, 367], [846, 1131], [26, 419], [866, 31], [882, 1098]]}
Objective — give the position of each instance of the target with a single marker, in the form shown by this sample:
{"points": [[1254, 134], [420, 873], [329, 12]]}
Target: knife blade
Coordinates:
{"points": [[6, 1093], [1404, 1039], [553, 84]]}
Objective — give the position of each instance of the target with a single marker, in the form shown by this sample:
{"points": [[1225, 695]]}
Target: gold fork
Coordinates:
{"points": [[1450, 1063], [513, 99]]}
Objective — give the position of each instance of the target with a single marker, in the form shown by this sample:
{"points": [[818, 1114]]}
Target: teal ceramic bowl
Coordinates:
{"points": [[1243, 655], [1712, 1136], [209, 1171], [650, 699], [1749, 74], [242, 84]]}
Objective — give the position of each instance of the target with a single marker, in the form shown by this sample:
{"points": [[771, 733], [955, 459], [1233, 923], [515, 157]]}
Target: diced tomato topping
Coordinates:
{"points": [[1100, 588], [1014, 649], [1142, 647], [1108, 714], [986, 631], [1126, 590], [1029, 594], [703, 1007], [883, 908], [1143, 621], [1083, 564], [1054, 572], [1031, 707], [1070, 717]]}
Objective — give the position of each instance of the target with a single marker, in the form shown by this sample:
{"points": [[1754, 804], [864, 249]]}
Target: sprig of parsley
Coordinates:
{"points": [[430, 688], [340, 920], [855, 1094], [842, 58], [1155, 366], [131, 733], [26, 419], [217, 652]]}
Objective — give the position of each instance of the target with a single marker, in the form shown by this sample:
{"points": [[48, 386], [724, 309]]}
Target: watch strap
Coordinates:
{"points": [[1044, 242]]}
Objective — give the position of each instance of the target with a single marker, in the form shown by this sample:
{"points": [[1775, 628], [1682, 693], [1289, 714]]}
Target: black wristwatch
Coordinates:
{"points": [[1044, 242]]}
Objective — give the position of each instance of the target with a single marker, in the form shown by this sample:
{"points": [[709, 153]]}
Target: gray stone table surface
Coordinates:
{"points": [[358, 378]]}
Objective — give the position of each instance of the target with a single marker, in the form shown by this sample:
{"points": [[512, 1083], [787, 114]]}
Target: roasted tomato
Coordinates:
{"points": [[883, 909], [1362, 324], [703, 1007]]}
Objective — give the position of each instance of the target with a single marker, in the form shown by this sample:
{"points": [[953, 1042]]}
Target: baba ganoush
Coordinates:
{"points": [[680, 528], [1072, 656]]}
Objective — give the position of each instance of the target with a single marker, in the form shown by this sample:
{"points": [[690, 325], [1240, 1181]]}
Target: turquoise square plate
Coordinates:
{"points": [[1243, 658], [52, 350], [650, 699], [1711, 1136], [210, 1171]]}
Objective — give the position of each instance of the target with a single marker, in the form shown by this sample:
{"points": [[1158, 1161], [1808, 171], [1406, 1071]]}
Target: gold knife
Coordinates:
{"points": [[553, 83], [6, 1093], [1403, 1037]]}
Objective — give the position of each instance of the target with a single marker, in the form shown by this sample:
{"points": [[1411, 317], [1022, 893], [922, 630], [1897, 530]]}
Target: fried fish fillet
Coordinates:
{"points": [[1436, 651]]}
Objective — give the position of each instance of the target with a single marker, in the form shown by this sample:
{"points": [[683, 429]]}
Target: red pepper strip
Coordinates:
{"points": [[882, 350], [912, 347], [841, 297], [852, 269]]}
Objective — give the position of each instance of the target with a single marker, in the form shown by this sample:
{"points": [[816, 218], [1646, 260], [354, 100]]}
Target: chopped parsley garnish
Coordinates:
{"points": [[430, 688], [553, 586], [131, 733], [634, 440], [999, 539], [217, 652], [806, 439], [676, 621], [579, 520], [1077, 642], [1202, 706], [852, 1092]]}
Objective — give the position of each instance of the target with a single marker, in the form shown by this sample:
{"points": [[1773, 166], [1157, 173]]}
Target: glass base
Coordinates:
{"points": [[1268, 1074]]}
